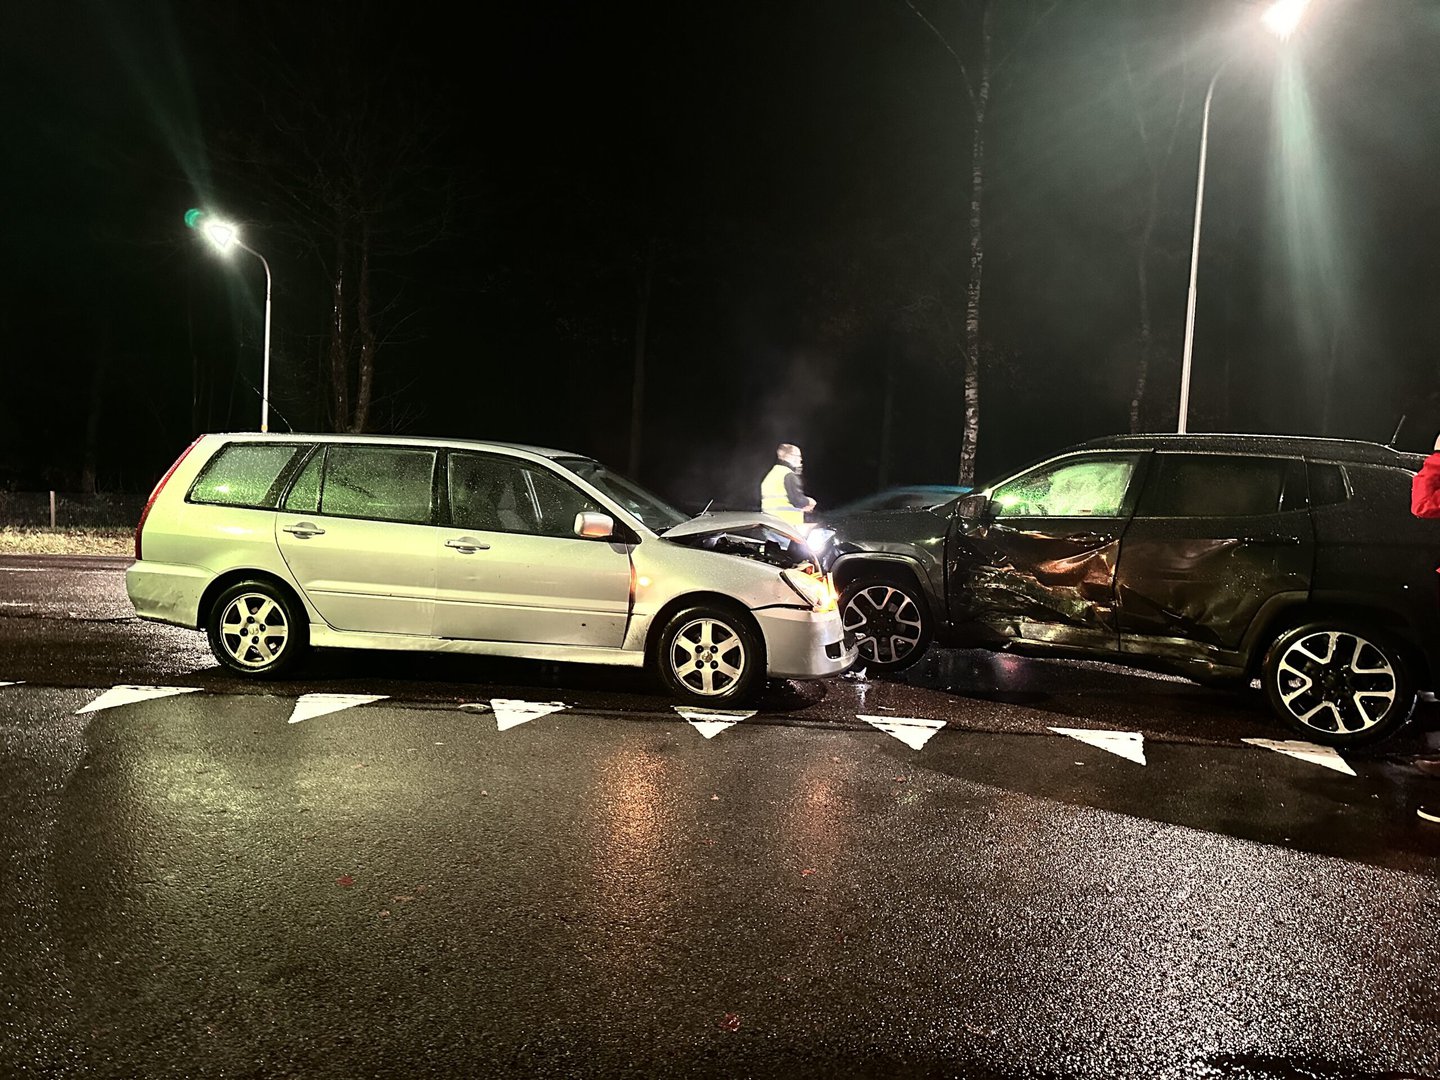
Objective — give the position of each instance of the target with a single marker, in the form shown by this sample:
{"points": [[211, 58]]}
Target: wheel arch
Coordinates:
{"points": [[1286, 617], [675, 604], [231, 577]]}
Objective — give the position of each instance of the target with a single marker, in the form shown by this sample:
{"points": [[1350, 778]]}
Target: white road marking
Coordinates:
{"points": [[309, 706], [15, 603], [710, 722], [913, 731], [1127, 744], [512, 712], [17, 682], [1314, 753], [124, 695]]}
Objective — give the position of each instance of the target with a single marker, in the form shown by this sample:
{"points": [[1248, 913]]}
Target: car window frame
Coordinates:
{"points": [[525, 466], [324, 450], [274, 494], [1141, 458], [1293, 465]]}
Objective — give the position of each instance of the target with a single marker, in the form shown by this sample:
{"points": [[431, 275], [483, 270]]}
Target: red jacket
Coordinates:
{"points": [[1425, 489]]}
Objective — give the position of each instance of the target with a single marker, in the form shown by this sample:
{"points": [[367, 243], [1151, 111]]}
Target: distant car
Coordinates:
{"points": [[1218, 557], [272, 543], [896, 498]]}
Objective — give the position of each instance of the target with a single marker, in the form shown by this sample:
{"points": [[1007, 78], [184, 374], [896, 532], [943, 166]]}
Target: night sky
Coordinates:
{"points": [[793, 178]]}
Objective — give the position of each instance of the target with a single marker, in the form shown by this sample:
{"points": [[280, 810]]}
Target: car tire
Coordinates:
{"points": [[256, 628], [889, 618], [1338, 683], [709, 655]]}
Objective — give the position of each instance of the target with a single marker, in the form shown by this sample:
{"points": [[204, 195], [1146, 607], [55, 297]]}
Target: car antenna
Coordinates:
{"points": [[707, 508], [1398, 426]]}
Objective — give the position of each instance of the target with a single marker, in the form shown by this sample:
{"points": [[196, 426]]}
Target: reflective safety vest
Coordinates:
{"points": [[774, 499]]}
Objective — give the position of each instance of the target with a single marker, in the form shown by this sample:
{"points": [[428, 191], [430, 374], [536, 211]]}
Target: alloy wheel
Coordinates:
{"points": [[1336, 682], [886, 623], [253, 630], [708, 657]]}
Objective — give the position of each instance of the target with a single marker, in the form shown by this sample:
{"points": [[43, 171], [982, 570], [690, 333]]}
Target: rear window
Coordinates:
{"points": [[244, 474], [1213, 485]]}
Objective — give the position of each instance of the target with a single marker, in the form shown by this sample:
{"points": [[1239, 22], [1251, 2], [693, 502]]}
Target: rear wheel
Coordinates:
{"points": [[710, 655], [255, 628], [1338, 683], [889, 619]]}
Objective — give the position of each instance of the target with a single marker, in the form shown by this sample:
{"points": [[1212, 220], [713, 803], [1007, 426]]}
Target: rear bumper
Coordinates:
{"points": [[803, 644], [167, 592]]}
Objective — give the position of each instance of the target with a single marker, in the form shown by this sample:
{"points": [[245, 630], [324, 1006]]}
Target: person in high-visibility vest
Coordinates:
{"points": [[1425, 503], [782, 493]]}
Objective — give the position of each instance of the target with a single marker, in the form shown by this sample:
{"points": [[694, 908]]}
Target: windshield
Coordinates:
{"points": [[651, 509]]}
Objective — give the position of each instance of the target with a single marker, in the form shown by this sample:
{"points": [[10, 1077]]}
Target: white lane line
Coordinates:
{"points": [[512, 712], [913, 731], [710, 722], [1127, 744], [124, 695], [1324, 756], [17, 682], [309, 706]]}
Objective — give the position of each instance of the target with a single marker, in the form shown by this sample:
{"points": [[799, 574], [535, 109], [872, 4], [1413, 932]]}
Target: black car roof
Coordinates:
{"points": [[1353, 450]]}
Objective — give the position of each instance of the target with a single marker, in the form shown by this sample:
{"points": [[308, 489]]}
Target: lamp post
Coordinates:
{"points": [[224, 236], [1281, 19]]}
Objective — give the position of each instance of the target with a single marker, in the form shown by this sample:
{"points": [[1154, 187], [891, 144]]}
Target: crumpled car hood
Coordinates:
{"points": [[730, 521], [746, 534]]}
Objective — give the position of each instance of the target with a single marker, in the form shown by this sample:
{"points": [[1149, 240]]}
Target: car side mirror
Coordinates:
{"points": [[593, 526], [974, 508]]}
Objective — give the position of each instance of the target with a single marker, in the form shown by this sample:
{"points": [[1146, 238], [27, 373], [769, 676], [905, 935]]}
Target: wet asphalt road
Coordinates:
{"points": [[194, 886]]}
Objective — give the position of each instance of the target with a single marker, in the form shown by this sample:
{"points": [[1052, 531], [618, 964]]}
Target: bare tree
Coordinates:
{"points": [[978, 78]]}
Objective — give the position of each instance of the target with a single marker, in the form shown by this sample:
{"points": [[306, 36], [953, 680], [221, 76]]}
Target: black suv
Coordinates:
{"points": [[1217, 557]]}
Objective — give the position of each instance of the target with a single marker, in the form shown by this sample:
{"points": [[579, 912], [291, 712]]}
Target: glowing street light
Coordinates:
{"points": [[1281, 19], [224, 236]]}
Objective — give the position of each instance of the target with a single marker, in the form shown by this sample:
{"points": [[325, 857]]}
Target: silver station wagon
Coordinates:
{"points": [[273, 543]]}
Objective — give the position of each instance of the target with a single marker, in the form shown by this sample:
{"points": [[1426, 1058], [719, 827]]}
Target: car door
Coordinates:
{"points": [[356, 532], [1215, 538], [1039, 564], [511, 567]]}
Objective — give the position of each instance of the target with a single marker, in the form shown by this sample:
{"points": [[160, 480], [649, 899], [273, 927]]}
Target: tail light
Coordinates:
{"points": [[156, 494]]}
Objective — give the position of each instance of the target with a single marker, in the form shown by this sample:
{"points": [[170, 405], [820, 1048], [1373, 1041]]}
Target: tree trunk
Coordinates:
{"points": [[339, 346], [977, 257], [365, 330], [1146, 337], [637, 381]]}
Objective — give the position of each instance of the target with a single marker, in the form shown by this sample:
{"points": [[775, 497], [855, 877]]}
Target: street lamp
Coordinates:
{"points": [[224, 236], [1281, 18]]}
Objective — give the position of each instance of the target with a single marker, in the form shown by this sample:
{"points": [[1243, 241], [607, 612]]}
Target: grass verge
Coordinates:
{"points": [[99, 541]]}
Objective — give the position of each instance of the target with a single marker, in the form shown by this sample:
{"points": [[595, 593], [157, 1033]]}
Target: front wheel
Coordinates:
{"points": [[889, 619], [710, 656], [256, 629], [1338, 684]]}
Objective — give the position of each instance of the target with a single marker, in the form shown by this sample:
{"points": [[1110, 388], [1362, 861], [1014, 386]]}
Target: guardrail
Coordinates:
{"points": [[55, 509]]}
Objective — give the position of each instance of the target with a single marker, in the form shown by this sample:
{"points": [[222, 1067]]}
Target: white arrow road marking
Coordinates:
{"points": [[710, 722], [309, 706], [512, 712], [124, 695], [913, 731], [1127, 744], [1314, 753]]}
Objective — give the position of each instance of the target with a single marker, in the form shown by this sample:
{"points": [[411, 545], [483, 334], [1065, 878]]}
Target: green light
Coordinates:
{"points": [[192, 218]]}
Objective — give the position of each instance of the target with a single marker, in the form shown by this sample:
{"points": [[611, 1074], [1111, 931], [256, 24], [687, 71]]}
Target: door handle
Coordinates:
{"points": [[467, 544], [304, 530]]}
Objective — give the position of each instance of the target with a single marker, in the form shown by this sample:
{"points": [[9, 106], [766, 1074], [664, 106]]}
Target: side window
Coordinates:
{"points": [[558, 502], [243, 474], [379, 482], [1075, 487], [304, 497], [1213, 485], [1328, 485], [489, 494]]}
